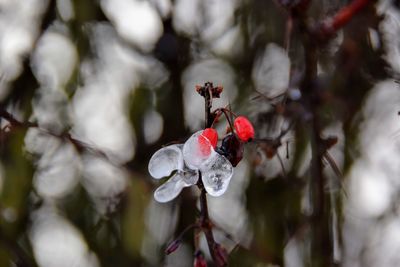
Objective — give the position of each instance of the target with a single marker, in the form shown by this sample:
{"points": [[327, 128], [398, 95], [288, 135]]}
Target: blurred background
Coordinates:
{"points": [[104, 84]]}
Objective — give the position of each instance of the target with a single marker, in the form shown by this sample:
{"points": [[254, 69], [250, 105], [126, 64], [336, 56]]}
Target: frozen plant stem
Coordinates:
{"points": [[205, 224]]}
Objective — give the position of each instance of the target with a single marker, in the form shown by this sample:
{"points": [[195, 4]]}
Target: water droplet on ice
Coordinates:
{"points": [[190, 177], [216, 174]]}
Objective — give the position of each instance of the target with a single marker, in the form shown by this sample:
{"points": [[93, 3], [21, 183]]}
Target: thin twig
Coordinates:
{"points": [[336, 170], [224, 111], [288, 32], [207, 93], [281, 163], [79, 145]]}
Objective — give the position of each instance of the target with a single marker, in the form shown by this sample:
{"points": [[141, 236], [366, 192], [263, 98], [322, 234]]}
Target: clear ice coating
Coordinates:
{"points": [[188, 160], [193, 153], [170, 189], [165, 161], [190, 177], [216, 174]]}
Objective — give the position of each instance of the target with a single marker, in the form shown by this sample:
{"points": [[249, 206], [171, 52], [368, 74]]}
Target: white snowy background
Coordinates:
{"points": [[98, 114]]}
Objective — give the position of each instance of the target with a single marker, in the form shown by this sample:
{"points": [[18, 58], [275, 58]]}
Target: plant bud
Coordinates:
{"points": [[174, 245], [199, 260]]}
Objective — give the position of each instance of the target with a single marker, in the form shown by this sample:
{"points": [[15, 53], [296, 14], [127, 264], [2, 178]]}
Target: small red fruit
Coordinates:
{"points": [[244, 128], [207, 139], [211, 135]]}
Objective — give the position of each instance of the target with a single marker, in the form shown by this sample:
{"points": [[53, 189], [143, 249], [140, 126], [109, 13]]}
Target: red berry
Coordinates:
{"points": [[211, 135], [207, 139], [244, 128]]}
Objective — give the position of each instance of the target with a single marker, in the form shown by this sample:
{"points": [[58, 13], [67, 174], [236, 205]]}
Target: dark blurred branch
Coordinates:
{"points": [[288, 32], [66, 136], [22, 259], [321, 245], [321, 234], [14, 122], [296, 6], [80, 146], [321, 248]]}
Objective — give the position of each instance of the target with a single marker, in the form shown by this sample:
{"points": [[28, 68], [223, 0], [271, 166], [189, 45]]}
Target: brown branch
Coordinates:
{"points": [[14, 122], [288, 32], [22, 259], [217, 114], [205, 221], [208, 91], [66, 136], [321, 244]]}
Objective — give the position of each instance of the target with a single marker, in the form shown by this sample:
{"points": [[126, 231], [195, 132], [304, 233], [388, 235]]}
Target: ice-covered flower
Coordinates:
{"points": [[196, 158]]}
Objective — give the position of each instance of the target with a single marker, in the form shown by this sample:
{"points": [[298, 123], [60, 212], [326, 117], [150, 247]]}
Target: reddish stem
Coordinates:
{"points": [[346, 13], [342, 17]]}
